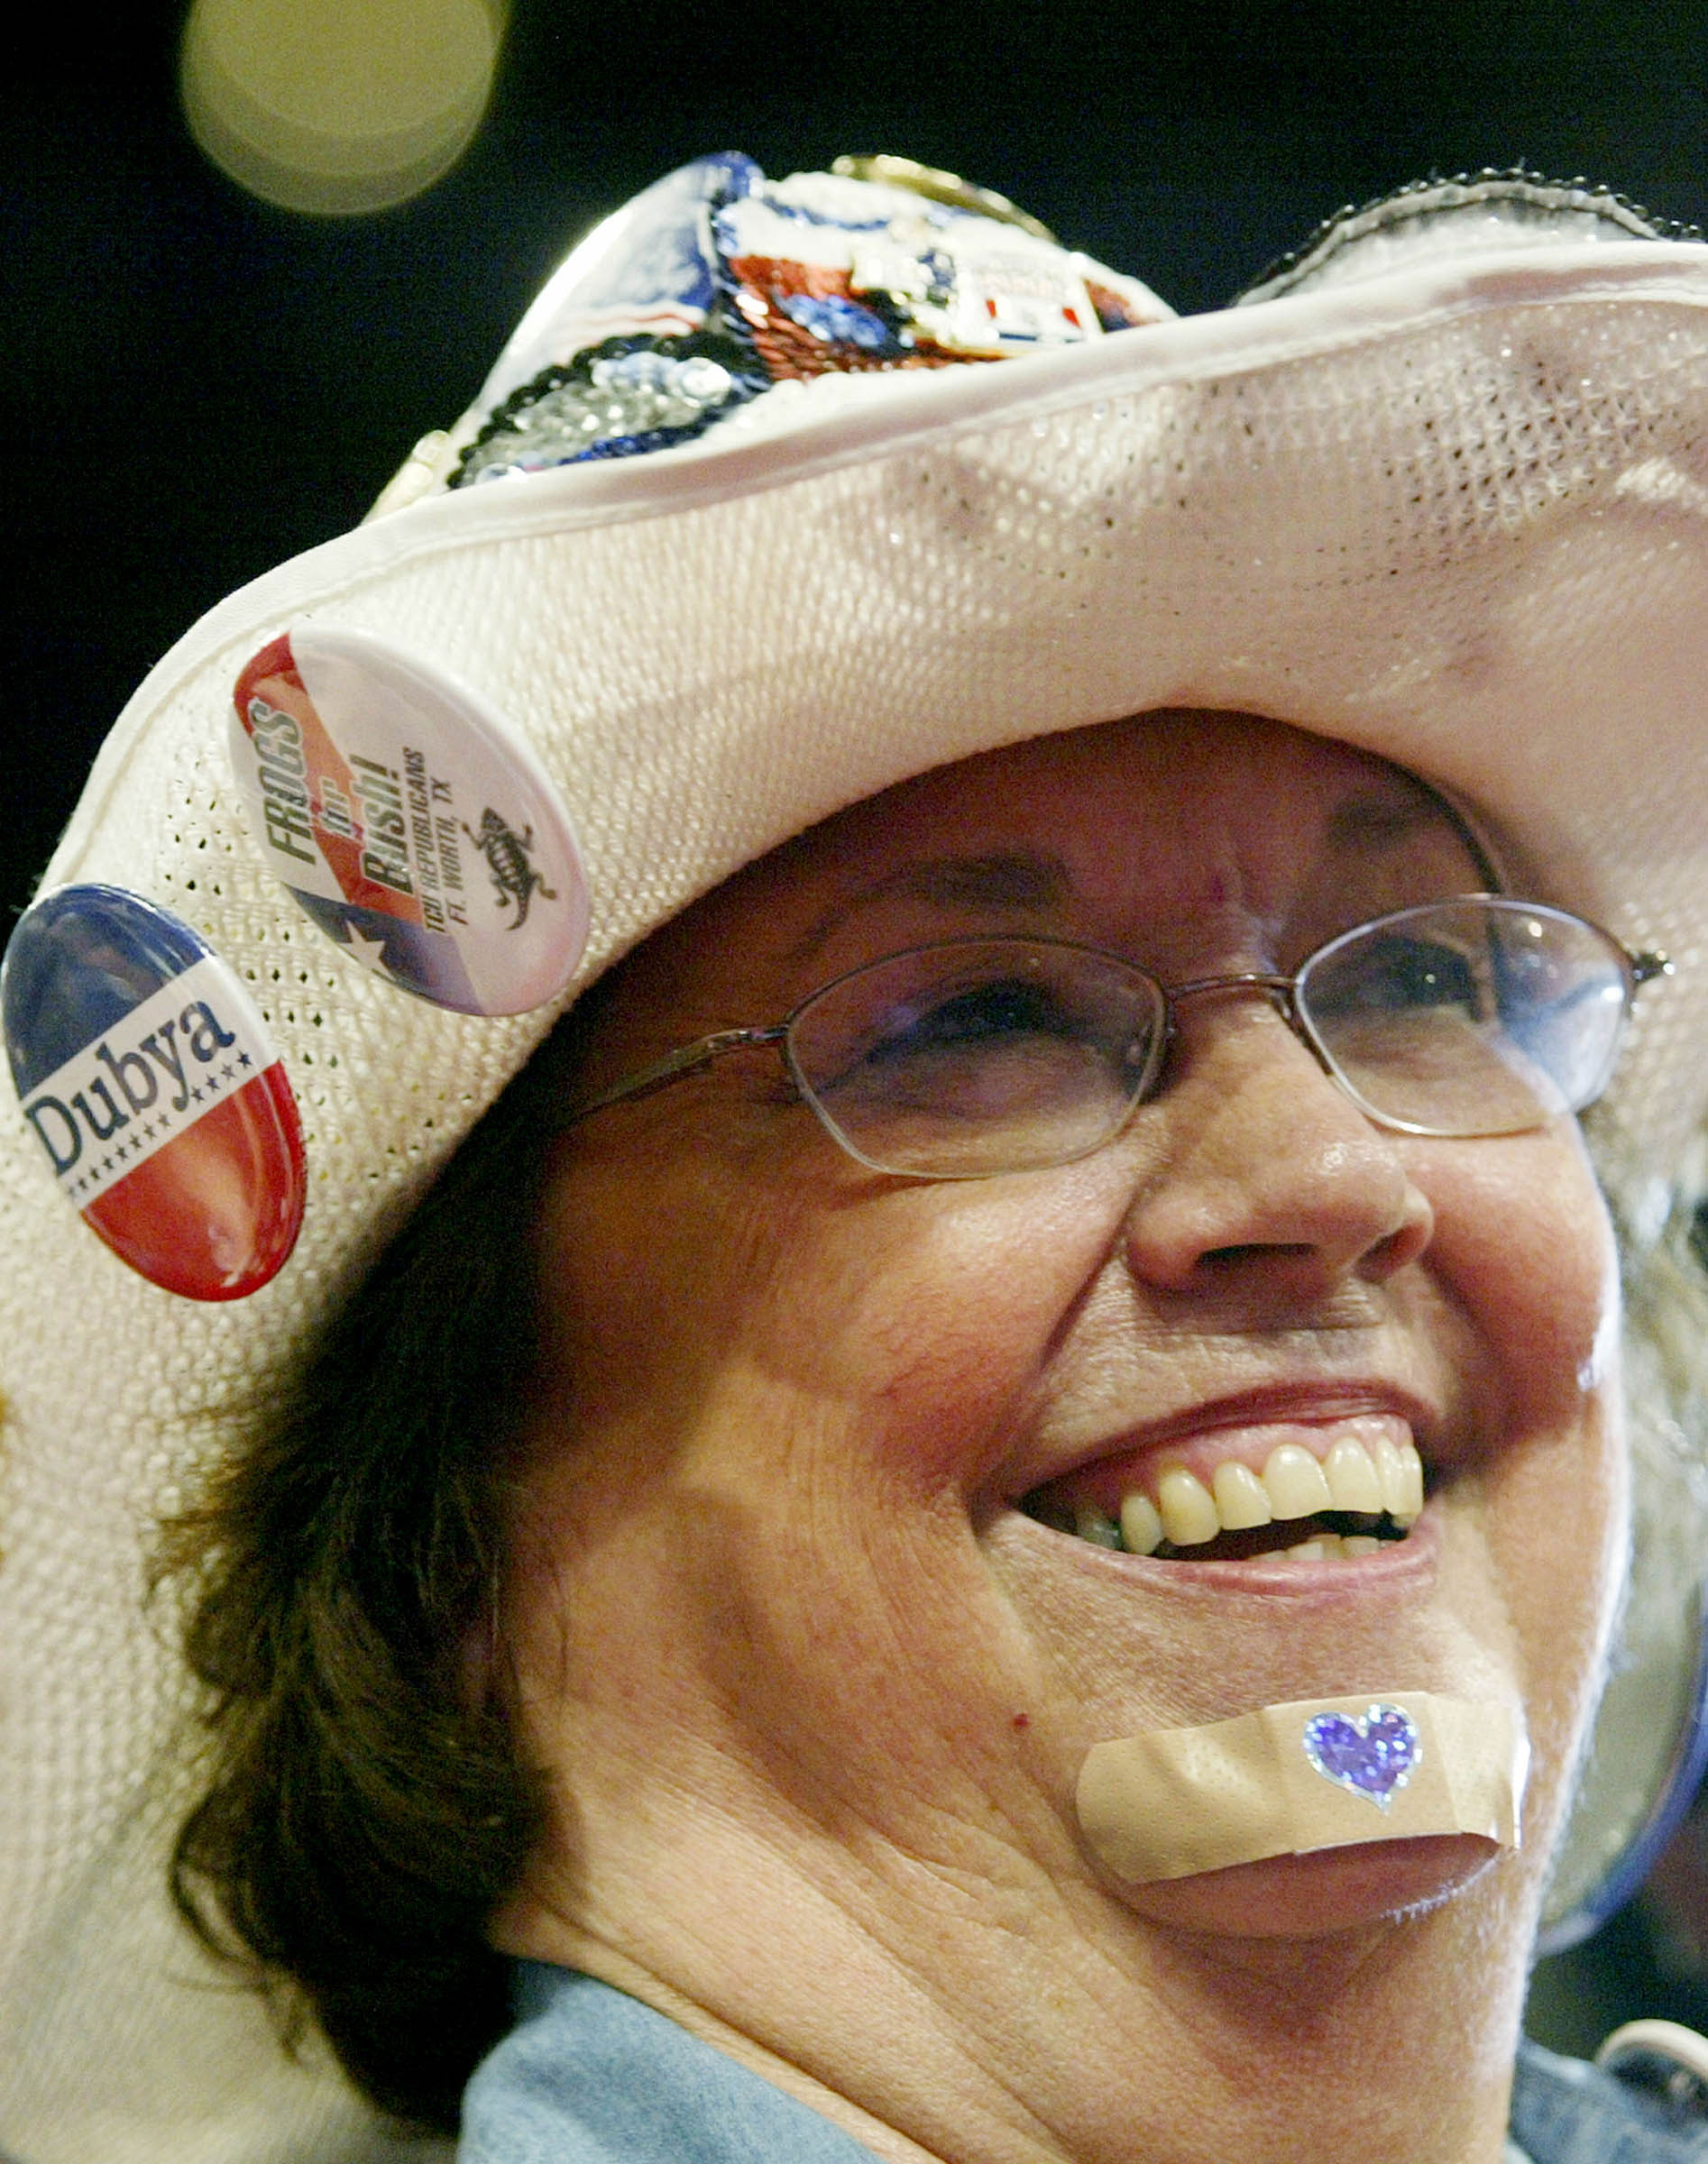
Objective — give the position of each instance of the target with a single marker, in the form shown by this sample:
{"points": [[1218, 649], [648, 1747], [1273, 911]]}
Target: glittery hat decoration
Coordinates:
{"points": [[717, 285]]}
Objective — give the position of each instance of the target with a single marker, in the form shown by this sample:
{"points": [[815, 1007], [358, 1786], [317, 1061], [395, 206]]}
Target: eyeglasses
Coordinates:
{"points": [[972, 1057]]}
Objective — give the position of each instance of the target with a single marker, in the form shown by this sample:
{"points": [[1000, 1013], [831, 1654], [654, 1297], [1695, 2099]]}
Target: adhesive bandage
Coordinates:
{"points": [[1319, 1772]]}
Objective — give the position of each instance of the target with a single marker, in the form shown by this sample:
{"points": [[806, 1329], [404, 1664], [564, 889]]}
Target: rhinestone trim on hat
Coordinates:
{"points": [[1426, 199], [622, 396]]}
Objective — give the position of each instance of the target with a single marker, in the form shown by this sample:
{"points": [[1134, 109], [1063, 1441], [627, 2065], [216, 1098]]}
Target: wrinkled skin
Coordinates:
{"points": [[813, 1691]]}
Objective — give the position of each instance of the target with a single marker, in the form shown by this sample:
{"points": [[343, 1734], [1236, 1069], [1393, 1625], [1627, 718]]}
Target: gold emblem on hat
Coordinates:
{"points": [[941, 188]]}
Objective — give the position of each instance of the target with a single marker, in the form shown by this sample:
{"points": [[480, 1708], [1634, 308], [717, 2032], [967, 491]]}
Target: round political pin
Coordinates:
{"points": [[148, 1079], [408, 822]]}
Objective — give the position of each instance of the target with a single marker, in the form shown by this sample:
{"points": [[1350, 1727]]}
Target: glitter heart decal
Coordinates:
{"points": [[1373, 1755]]}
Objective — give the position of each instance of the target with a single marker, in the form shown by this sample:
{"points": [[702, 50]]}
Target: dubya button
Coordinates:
{"points": [[150, 1084]]}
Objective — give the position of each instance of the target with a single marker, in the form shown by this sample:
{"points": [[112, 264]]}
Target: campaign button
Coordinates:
{"points": [[149, 1081], [408, 822]]}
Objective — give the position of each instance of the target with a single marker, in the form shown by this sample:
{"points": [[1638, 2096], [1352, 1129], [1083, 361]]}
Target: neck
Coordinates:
{"points": [[952, 2006]]}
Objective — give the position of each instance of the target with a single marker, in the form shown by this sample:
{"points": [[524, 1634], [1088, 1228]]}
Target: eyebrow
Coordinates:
{"points": [[1364, 820], [1384, 821], [1006, 879], [1015, 882], [1031, 882]]}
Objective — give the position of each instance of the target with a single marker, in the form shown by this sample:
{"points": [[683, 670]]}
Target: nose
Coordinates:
{"points": [[1265, 1174]]}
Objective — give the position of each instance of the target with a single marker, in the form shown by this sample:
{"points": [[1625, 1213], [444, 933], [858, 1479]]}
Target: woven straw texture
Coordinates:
{"points": [[1463, 523]]}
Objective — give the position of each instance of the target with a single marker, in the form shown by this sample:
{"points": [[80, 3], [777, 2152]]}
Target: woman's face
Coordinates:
{"points": [[792, 1548]]}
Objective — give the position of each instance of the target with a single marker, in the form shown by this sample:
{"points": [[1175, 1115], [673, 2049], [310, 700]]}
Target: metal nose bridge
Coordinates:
{"points": [[1281, 993]]}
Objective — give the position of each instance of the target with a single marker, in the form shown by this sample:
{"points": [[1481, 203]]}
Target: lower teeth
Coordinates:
{"points": [[1335, 1547], [1327, 1544]]}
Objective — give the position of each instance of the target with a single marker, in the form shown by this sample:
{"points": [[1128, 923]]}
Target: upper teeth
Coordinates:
{"points": [[1294, 1483]]}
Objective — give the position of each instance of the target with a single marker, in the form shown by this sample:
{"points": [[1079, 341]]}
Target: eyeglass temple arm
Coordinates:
{"points": [[1646, 966], [689, 1059]]}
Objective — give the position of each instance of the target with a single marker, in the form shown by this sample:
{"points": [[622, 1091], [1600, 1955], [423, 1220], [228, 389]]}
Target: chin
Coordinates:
{"points": [[1327, 1891]]}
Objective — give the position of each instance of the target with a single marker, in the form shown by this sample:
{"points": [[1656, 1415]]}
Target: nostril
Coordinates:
{"points": [[1404, 1244], [1232, 1258]]}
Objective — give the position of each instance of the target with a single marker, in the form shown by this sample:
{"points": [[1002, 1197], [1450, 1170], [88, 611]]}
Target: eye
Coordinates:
{"points": [[1393, 974], [992, 1049], [973, 1018], [978, 1056], [982, 1032]]}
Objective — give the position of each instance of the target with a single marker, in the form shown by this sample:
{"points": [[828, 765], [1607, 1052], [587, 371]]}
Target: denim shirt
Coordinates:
{"points": [[590, 2076], [1565, 2112]]}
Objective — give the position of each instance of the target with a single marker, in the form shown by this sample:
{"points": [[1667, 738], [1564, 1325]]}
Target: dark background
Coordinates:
{"points": [[199, 386]]}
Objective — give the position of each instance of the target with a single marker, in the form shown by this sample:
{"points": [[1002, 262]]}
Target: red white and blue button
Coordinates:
{"points": [[408, 822], [149, 1080]]}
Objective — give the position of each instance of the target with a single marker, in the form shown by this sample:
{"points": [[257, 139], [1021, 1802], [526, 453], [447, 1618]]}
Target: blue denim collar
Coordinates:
{"points": [[1565, 2111], [590, 2076]]}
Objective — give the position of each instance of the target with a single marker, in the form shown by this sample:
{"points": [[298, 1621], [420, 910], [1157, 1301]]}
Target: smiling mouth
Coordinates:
{"points": [[1302, 1497]]}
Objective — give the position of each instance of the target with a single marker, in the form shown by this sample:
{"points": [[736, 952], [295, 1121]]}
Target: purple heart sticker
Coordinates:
{"points": [[1372, 1756]]}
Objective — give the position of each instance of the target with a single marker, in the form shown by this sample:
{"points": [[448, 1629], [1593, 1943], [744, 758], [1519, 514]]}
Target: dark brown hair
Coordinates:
{"points": [[363, 1806]]}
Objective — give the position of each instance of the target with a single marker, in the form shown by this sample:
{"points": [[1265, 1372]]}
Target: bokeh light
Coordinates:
{"points": [[338, 106]]}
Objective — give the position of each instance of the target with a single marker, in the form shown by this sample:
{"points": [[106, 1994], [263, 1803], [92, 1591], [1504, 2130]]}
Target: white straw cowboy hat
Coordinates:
{"points": [[1440, 490]]}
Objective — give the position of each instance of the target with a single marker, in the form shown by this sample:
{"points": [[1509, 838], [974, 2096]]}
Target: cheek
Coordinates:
{"points": [[780, 1399], [949, 1304], [1556, 1531], [1524, 1244], [911, 1321]]}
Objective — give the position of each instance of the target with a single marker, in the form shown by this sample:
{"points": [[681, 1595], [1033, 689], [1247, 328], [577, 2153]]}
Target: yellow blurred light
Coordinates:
{"points": [[337, 106]]}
